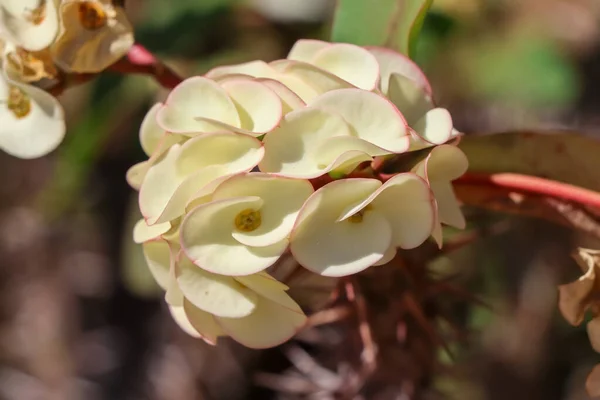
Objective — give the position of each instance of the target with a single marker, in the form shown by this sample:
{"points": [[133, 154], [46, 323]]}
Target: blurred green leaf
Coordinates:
{"points": [[390, 23], [563, 156], [522, 69], [160, 13]]}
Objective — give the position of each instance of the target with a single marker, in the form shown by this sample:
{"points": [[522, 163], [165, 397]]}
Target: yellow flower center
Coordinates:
{"points": [[358, 217], [248, 220], [18, 102], [92, 16], [38, 14]]}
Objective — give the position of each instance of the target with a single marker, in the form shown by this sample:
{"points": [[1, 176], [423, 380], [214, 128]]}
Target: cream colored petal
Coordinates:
{"points": [[207, 239], [282, 199], [391, 62], [318, 79], [135, 174], [18, 25], [36, 133], [256, 69], [192, 102], [351, 63], [448, 207], [269, 325], [446, 163], [372, 117], [435, 126], [143, 232], [159, 256], [260, 108], [271, 289], [290, 150], [305, 49], [181, 319], [412, 219], [389, 255], [327, 246], [82, 50], [290, 100], [216, 294], [204, 323], [150, 132], [410, 98]]}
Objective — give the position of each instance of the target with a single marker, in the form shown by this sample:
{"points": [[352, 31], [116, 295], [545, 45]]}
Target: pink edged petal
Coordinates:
{"points": [[256, 69], [318, 79], [446, 163], [329, 247], [282, 199], [290, 149], [372, 117], [271, 289], [290, 100], [135, 174], [260, 108], [206, 238], [178, 315], [142, 232], [435, 126], [448, 207], [391, 62], [351, 63], [219, 295], [159, 256], [269, 325], [194, 100], [150, 132], [410, 98], [305, 49], [409, 206], [203, 323]]}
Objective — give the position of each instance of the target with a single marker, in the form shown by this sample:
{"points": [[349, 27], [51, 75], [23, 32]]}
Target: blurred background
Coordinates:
{"points": [[81, 318]]}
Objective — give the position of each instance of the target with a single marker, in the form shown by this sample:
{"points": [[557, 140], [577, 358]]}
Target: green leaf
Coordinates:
{"points": [[390, 23], [562, 156]]}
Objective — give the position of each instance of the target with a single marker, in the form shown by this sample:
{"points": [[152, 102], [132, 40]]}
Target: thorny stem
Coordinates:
{"points": [[141, 61], [533, 185]]}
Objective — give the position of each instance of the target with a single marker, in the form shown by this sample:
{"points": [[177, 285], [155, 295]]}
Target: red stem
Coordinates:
{"points": [[140, 61], [534, 185]]}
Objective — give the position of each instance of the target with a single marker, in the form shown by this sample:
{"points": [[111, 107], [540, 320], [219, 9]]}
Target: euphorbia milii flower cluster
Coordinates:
{"points": [[39, 41], [253, 160]]}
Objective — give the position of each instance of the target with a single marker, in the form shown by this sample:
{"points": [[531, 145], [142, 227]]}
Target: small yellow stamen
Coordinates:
{"points": [[358, 217], [248, 220], [18, 102], [92, 16]]}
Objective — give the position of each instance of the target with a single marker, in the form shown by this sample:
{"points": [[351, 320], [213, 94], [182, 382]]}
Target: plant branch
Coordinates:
{"points": [[141, 61], [534, 186]]}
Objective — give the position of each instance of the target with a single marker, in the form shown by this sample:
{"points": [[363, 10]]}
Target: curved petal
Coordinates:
{"points": [[391, 62], [159, 257], [410, 98], [282, 199], [150, 132], [202, 322], [219, 295], [178, 315], [269, 325], [136, 173], [259, 108], [327, 246], [351, 63], [435, 126], [318, 79], [192, 102], [412, 219], [445, 163], [372, 117], [271, 289], [305, 49], [206, 238], [32, 120], [256, 69], [142, 232], [19, 22], [389, 255], [449, 212], [290, 100], [290, 149], [83, 49]]}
